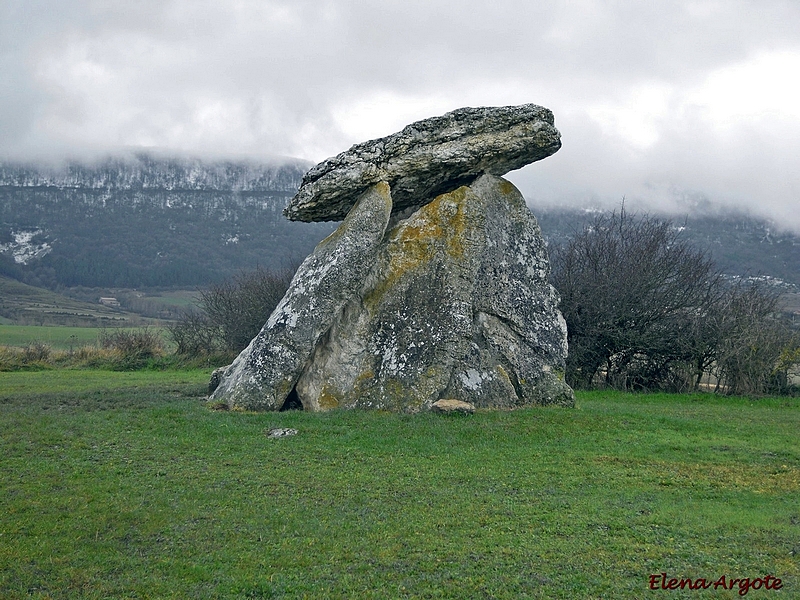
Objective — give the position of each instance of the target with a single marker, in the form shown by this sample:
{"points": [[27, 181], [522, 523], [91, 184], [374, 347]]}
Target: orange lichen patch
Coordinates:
{"points": [[457, 225], [382, 187], [326, 400], [503, 374], [506, 187], [439, 225], [367, 376], [396, 396]]}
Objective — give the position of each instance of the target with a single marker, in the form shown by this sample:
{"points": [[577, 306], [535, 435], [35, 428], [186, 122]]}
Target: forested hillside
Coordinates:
{"points": [[738, 244], [147, 222], [142, 221]]}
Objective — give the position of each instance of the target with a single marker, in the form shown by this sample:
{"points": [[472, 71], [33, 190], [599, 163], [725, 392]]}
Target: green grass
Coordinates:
{"points": [[124, 485], [48, 384], [60, 337], [175, 298], [57, 337]]}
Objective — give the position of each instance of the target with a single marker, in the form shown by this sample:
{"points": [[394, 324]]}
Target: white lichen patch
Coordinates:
{"points": [[473, 379]]}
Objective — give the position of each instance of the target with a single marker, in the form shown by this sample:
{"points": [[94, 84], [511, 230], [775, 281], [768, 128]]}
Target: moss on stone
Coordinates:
{"points": [[326, 400], [415, 242]]}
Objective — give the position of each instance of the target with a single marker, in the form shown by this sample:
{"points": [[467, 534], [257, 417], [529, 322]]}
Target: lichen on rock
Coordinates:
{"points": [[434, 287]]}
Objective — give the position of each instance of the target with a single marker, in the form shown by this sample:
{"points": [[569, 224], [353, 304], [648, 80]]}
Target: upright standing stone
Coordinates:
{"points": [[519, 336], [264, 374], [395, 344], [457, 306]]}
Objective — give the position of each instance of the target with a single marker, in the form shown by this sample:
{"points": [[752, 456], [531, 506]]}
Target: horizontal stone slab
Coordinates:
{"points": [[428, 158]]}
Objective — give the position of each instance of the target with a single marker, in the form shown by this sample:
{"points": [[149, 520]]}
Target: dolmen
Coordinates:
{"points": [[435, 285]]}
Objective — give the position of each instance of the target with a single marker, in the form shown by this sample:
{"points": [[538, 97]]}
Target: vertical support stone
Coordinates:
{"points": [[265, 372]]}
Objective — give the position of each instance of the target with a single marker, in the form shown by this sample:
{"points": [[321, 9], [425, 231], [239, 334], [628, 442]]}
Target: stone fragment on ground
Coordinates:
{"points": [[280, 432], [448, 406]]}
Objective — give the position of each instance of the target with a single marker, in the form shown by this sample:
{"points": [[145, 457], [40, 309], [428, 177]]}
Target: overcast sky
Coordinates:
{"points": [[663, 102]]}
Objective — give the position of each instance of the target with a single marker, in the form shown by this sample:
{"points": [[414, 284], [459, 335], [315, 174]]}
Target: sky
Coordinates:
{"points": [[668, 104]]}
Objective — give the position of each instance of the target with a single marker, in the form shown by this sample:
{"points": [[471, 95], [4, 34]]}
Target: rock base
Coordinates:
{"points": [[452, 301]]}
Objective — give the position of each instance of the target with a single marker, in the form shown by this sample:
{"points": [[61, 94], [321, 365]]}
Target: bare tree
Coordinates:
{"points": [[756, 346], [632, 293], [194, 334], [231, 313], [645, 310]]}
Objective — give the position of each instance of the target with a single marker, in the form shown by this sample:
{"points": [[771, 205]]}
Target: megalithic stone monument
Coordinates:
{"points": [[434, 286]]}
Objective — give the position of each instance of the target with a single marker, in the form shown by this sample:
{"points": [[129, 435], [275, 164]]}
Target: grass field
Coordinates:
{"points": [[175, 298], [124, 485], [57, 337]]}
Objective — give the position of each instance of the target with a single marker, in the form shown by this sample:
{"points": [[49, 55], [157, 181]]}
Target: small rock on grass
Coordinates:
{"points": [[216, 377], [279, 432], [452, 406]]}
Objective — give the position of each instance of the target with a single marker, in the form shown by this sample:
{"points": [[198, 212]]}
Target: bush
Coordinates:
{"points": [[36, 351], [756, 348], [33, 357], [231, 313], [132, 348], [645, 310], [195, 335], [631, 293]]}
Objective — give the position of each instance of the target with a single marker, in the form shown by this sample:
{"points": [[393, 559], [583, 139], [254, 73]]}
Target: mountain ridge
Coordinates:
{"points": [[141, 170], [143, 220], [153, 222]]}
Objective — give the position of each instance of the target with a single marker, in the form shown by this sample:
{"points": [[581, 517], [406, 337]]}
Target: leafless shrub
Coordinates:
{"points": [[631, 292], [36, 351], [194, 334], [756, 347], [132, 344], [231, 313], [645, 310]]}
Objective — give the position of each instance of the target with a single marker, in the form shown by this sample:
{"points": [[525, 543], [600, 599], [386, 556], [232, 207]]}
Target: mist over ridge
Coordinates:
{"points": [[145, 220]]}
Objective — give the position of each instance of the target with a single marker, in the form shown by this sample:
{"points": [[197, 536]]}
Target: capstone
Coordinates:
{"points": [[428, 158]]}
